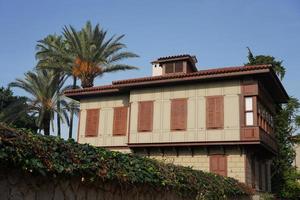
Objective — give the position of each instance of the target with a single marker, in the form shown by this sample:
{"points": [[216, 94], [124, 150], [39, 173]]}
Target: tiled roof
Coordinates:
{"points": [[202, 74], [199, 73], [176, 56]]}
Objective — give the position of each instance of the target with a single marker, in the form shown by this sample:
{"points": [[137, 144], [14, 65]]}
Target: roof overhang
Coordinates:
{"points": [[263, 72]]}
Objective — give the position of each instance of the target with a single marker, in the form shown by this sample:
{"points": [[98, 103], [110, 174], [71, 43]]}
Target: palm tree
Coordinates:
{"points": [[93, 54], [83, 54], [42, 86], [50, 56]]}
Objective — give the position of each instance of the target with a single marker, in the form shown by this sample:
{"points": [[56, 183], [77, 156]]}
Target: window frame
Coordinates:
{"points": [[251, 111]]}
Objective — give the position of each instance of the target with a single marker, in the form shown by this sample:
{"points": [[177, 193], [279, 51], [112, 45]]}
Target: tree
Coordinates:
{"points": [[284, 174], [49, 56], [83, 54], [12, 110], [262, 59], [285, 178], [94, 54], [42, 86]]}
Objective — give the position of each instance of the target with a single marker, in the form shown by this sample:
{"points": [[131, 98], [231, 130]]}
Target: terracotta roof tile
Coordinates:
{"points": [[224, 70], [176, 56]]}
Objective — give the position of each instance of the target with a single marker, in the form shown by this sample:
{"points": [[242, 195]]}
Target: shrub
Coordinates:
{"points": [[52, 156]]}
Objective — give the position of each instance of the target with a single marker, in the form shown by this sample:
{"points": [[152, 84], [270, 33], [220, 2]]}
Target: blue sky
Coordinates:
{"points": [[216, 31]]}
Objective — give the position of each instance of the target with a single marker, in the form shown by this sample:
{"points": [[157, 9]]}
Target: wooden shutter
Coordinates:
{"points": [[178, 66], [218, 164], [178, 114], [120, 121], [145, 116], [169, 68], [215, 112], [92, 122]]}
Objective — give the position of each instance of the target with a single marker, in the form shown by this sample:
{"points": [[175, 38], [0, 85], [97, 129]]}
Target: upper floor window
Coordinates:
{"points": [[265, 118], [214, 112], [249, 116], [120, 121], [174, 67], [145, 116], [178, 114], [92, 122]]}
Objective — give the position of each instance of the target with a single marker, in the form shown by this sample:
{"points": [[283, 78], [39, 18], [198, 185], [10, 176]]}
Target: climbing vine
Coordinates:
{"points": [[51, 156]]}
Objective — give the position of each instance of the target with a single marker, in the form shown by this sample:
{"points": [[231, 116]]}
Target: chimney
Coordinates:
{"points": [[174, 64]]}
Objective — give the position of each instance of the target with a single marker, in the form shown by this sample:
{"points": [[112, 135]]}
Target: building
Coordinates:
{"points": [[218, 120]]}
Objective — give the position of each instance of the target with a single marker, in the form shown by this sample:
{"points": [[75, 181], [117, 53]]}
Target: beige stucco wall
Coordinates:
{"points": [[196, 122], [200, 159], [106, 105]]}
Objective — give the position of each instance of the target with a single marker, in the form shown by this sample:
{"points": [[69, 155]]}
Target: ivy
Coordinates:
{"points": [[52, 156]]}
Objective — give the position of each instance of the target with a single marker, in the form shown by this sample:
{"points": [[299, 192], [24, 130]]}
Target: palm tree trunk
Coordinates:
{"points": [[72, 112], [46, 124], [57, 116]]}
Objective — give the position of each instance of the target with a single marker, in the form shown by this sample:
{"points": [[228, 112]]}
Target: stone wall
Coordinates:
{"points": [[199, 159], [18, 186], [15, 185]]}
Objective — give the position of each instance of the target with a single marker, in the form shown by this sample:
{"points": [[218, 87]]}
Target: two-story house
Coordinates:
{"points": [[218, 120]]}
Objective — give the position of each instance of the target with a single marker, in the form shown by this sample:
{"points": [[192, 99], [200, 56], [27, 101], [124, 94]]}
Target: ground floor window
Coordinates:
{"points": [[218, 164]]}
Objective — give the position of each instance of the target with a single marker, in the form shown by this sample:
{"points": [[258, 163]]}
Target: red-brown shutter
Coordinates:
{"points": [[92, 122], [145, 116], [215, 112], [120, 121], [218, 164], [178, 114]]}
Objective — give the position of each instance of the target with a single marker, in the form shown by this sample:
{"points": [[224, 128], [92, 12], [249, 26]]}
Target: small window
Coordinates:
{"points": [[179, 67], [169, 68], [249, 116], [249, 103]]}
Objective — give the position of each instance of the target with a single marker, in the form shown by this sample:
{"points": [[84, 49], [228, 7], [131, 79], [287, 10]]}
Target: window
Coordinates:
{"points": [[145, 116], [92, 122], [215, 112], [169, 68], [173, 67], [178, 67], [178, 114], [265, 118], [218, 164], [249, 111], [120, 121]]}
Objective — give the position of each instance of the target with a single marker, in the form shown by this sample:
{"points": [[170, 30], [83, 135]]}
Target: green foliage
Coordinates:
{"points": [[285, 177], [43, 86], [52, 156], [262, 59], [13, 110], [85, 54]]}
